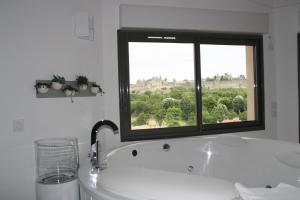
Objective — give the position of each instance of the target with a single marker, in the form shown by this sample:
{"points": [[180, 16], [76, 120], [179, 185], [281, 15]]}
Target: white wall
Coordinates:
{"points": [[36, 42], [163, 17], [286, 27]]}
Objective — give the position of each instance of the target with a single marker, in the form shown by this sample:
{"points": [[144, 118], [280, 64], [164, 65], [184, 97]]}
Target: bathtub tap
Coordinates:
{"points": [[95, 144]]}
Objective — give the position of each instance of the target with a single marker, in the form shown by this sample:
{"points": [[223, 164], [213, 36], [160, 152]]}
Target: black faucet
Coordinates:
{"points": [[95, 145]]}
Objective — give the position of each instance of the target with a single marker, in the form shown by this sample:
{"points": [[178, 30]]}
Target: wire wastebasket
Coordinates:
{"points": [[56, 160], [56, 167]]}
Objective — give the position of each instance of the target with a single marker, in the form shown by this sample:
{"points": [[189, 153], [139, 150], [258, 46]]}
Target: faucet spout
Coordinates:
{"points": [[95, 144]]}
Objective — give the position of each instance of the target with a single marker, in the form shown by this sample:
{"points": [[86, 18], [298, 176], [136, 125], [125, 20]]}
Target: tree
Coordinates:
{"points": [[148, 93], [169, 102], [173, 117], [159, 116], [187, 105], [192, 119], [238, 104], [207, 118], [133, 95], [227, 101], [138, 107], [144, 97], [243, 116], [177, 92], [220, 112], [226, 77], [155, 102], [232, 115], [209, 102], [141, 119]]}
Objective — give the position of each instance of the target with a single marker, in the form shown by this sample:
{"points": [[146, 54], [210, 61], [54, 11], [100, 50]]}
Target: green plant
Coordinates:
{"points": [[209, 102], [169, 102], [59, 79], [159, 117], [220, 112], [69, 87], [243, 116], [82, 80], [208, 118], [238, 104], [98, 86], [142, 119], [226, 101], [173, 117], [42, 84]]}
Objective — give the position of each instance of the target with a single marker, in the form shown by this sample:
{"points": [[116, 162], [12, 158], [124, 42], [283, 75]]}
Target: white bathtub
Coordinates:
{"points": [[191, 169]]}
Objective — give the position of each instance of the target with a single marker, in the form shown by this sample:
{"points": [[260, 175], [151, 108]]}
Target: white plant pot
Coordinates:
{"points": [[83, 87], [42, 89], [95, 90], [56, 85], [69, 93]]}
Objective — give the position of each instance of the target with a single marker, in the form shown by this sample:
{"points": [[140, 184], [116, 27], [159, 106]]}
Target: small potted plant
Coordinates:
{"points": [[82, 82], [57, 82], [95, 89], [42, 87], [69, 90]]}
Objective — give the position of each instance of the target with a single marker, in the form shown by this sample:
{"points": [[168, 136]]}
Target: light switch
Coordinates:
{"points": [[18, 125], [273, 109]]}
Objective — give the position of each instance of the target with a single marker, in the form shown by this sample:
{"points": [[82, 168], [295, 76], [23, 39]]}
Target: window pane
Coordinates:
{"points": [[162, 85], [227, 77]]}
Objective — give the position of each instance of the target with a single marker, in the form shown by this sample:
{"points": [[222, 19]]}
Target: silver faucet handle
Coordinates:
{"points": [[94, 162], [94, 156]]}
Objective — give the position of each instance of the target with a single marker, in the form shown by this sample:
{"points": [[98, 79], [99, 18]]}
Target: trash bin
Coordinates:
{"points": [[57, 169]]}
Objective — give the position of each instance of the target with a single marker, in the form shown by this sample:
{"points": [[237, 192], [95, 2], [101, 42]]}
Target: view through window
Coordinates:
{"points": [[227, 83], [162, 85]]}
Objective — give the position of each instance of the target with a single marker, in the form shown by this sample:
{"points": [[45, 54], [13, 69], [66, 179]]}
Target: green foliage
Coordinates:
{"points": [[58, 79], [226, 77], [220, 112], [173, 117], [177, 106], [138, 107], [169, 103], [177, 92], [208, 118], [209, 102], [226, 101], [243, 116], [141, 119], [232, 115], [148, 93], [82, 80], [192, 119], [159, 116], [187, 106], [238, 104]]}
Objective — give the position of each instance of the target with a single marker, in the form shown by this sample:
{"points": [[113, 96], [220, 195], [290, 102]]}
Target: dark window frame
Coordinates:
{"points": [[131, 35]]}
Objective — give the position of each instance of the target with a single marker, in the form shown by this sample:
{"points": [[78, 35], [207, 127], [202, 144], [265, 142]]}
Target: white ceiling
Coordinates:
{"points": [[276, 3]]}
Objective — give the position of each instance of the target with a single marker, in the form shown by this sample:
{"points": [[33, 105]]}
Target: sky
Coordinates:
{"points": [[176, 60]]}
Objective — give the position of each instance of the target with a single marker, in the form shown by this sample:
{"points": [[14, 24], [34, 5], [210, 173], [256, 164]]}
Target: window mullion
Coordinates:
{"points": [[198, 84]]}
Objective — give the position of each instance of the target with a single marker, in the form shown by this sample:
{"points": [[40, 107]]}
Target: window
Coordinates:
{"points": [[175, 84]]}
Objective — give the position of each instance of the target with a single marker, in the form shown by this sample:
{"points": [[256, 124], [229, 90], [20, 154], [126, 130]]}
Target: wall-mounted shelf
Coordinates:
{"points": [[52, 93]]}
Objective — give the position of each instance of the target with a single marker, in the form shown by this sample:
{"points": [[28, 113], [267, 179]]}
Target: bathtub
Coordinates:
{"points": [[191, 168]]}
